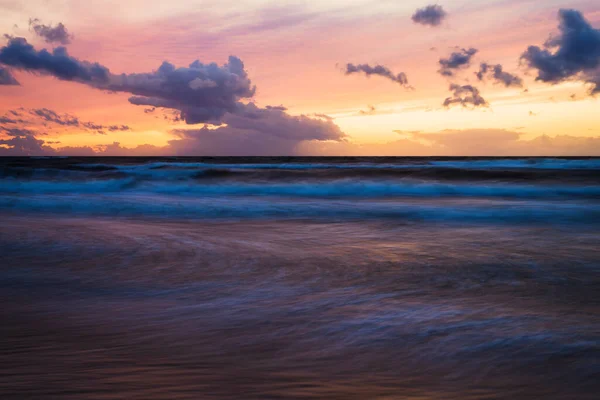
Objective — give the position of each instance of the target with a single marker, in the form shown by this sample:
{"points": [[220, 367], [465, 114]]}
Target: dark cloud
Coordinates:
{"points": [[7, 120], [53, 117], [280, 108], [21, 55], [50, 34], [178, 89], [378, 70], [572, 54], [498, 75], [6, 78], [18, 132], [457, 60], [432, 15], [50, 118], [24, 146], [115, 128], [94, 127], [199, 93], [466, 96]]}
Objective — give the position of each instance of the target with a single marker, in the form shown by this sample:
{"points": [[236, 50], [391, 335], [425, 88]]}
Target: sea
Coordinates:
{"points": [[299, 278]]}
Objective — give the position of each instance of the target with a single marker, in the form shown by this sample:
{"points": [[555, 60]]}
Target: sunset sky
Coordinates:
{"points": [[353, 77]]}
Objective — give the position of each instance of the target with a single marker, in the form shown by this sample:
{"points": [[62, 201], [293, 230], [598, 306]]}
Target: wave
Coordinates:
{"points": [[328, 189], [526, 163], [270, 173], [208, 208], [240, 188]]}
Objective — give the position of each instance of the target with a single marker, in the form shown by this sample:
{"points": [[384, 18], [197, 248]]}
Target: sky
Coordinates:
{"points": [[254, 77]]}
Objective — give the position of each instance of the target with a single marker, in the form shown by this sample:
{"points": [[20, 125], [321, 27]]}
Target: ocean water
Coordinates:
{"points": [[300, 278]]}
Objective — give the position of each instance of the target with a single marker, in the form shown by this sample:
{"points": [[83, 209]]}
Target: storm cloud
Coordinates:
{"points": [[378, 70], [466, 96], [456, 61], [498, 75], [432, 15], [50, 34], [573, 54]]}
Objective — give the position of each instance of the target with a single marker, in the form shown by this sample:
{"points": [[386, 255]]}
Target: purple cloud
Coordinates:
{"points": [[573, 54], [21, 55], [498, 75], [256, 131], [50, 34], [457, 60], [465, 95], [200, 92], [432, 15], [179, 88], [53, 117], [378, 70]]}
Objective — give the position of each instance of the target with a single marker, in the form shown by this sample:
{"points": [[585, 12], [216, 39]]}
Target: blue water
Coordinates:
{"points": [[326, 278]]}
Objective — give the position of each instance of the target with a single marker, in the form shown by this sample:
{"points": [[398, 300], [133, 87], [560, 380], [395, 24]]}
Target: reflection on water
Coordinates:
{"points": [[138, 309], [298, 278]]}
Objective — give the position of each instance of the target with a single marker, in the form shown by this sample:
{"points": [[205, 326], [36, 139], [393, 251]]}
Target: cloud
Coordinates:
{"points": [[200, 93], [114, 128], [470, 142], [200, 83], [378, 70], [223, 141], [179, 88], [24, 145], [18, 132], [573, 54], [432, 15], [456, 61], [251, 130], [280, 108], [255, 131], [7, 120], [6, 78], [21, 55], [51, 116], [50, 34], [465, 95], [498, 75]]}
